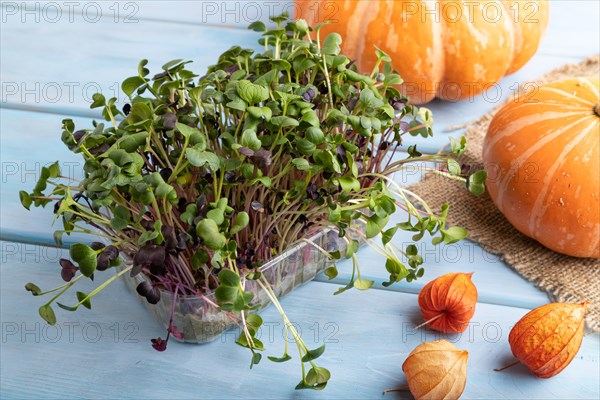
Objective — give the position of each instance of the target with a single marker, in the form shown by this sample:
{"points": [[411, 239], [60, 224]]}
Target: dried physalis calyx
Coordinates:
{"points": [[547, 338], [436, 370], [448, 302]]}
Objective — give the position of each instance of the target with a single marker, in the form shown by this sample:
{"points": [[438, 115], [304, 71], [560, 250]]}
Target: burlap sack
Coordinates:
{"points": [[564, 278]]}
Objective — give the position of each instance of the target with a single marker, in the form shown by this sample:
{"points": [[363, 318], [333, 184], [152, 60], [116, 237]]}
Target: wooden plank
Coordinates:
{"points": [[30, 141], [368, 335], [96, 56], [488, 270], [223, 14], [572, 19], [568, 18], [58, 65]]}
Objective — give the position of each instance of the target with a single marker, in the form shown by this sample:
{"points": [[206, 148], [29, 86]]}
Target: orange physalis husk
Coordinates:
{"points": [[448, 302], [547, 338], [436, 370]]}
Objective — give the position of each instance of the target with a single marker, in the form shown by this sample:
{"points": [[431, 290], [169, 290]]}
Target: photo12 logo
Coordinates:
{"points": [[53, 12], [57, 92], [70, 332]]}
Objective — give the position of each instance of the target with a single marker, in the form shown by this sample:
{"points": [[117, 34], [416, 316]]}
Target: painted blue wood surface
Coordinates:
{"points": [[373, 328], [368, 336], [77, 58]]}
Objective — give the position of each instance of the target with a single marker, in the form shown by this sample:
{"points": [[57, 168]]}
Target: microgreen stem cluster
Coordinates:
{"points": [[200, 180]]}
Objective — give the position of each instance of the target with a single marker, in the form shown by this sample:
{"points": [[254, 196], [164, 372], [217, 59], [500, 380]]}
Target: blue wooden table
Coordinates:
{"points": [[53, 59]]}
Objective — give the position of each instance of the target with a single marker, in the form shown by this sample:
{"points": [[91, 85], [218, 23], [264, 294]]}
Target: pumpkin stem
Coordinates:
{"points": [[428, 321], [597, 109], [398, 389], [507, 366]]}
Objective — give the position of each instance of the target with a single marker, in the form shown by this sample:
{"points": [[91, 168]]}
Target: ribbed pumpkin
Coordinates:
{"points": [[542, 156], [443, 48]]}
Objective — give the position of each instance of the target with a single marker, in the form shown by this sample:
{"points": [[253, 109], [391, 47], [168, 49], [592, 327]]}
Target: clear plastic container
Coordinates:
{"points": [[199, 317]]}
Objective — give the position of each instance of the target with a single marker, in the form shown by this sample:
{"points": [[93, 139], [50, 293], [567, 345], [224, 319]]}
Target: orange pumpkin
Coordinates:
{"points": [[542, 156], [445, 48]]}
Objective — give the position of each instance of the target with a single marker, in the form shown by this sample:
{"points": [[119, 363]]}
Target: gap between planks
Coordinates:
{"points": [[31, 240]]}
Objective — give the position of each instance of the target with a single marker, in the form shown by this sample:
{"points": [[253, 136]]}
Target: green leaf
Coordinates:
{"points": [[85, 257], [68, 308], [302, 64], [388, 235], [47, 313], [368, 100], [208, 230], [411, 250], [458, 147], [26, 200], [250, 140], [453, 166], [170, 64], [454, 234], [35, 290], [256, 357], [130, 143], [243, 341], [131, 84], [375, 224], [264, 180], [331, 272], [54, 170], [122, 212], [118, 224], [317, 376], [357, 77], [147, 236], [186, 130], [301, 164], [393, 79], [349, 183], [142, 70], [305, 147], [251, 93], [229, 278], [393, 266], [331, 44], [310, 116], [140, 114], [241, 221], [284, 358], [253, 323], [476, 182], [257, 26], [200, 158], [216, 215], [382, 55], [282, 121], [98, 100], [313, 354], [87, 303], [281, 64], [226, 294], [363, 284], [352, 248], [199, 259], [315, 135]]}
